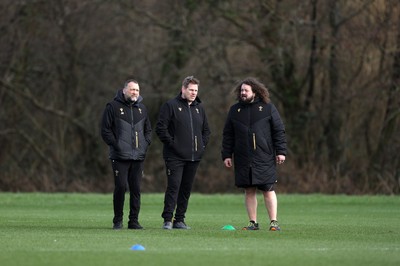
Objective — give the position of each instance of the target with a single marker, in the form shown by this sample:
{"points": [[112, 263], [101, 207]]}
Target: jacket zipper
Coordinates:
{"points": [[137, 139], [195, 143], [132, 126], [254, 141], [191, 127]]}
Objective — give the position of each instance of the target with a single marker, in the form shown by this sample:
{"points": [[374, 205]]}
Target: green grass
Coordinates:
{"points": [[75, 229]]}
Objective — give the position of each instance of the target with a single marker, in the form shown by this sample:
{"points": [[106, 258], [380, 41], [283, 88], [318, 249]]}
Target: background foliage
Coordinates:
{"points": [[332, 67]]}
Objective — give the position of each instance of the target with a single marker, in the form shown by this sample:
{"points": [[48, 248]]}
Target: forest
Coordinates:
{"points": [[332, 68]]}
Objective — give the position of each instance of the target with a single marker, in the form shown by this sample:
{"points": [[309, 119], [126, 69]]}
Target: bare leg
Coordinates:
{"points": [[271, 203], [251, 203]]}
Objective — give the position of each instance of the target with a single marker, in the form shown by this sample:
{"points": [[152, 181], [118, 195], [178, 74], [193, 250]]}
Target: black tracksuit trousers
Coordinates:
{"points": [[180, 176], [127, 174]]}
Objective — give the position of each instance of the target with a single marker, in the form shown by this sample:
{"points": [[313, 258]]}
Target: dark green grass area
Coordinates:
{"points": [[75, 229]]}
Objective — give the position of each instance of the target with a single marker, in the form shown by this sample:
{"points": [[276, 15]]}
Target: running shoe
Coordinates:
{"points": [[251, 226], [274, 226], [180, 225], [167, 225]]}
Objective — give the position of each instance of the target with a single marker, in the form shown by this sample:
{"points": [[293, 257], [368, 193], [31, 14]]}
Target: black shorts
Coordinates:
{"points": [[265, 187]]}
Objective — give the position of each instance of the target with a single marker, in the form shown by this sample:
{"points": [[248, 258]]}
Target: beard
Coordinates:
{"points": [[131, 99], [247, 99]]}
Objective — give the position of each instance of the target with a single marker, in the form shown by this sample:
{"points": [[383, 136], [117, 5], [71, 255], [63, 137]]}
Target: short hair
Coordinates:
{"points": [[129, 81], [190, 80], [257, 87]]}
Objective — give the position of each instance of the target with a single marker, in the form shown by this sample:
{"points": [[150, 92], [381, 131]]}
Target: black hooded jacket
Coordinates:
{"points": [[126, 128], [253, 135], [183, 129]]}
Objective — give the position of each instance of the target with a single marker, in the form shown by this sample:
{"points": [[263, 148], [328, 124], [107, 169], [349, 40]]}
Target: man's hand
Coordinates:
{"points": [[228, 162], [280, 159]]}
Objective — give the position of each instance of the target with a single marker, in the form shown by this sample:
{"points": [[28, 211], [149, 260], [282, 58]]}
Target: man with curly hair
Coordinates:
{"points": [[254, 138]]}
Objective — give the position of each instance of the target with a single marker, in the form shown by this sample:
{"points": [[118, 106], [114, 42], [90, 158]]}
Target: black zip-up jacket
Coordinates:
{"points": [[126, 128], [253, 135], [183, 129]]}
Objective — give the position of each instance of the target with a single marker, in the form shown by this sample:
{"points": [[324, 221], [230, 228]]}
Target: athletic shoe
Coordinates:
{"points": [[117, 226], [274, 226], [167, 225], [251, 226], [180, 225], [134, 225]]}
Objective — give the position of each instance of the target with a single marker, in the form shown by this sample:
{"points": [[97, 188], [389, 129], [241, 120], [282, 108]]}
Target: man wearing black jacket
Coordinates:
{"points": [[126, 129], [254, 137], [183, 128]]}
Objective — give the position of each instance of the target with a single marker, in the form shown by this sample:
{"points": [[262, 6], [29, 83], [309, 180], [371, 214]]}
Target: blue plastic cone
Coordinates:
{"points": [[137, 247]]}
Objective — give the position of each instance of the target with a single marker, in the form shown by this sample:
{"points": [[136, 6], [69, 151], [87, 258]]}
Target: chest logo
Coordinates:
{"points": [[180, 109], [197, 110], [239, 110], [260, 108], [122, 111], [140, 111]]}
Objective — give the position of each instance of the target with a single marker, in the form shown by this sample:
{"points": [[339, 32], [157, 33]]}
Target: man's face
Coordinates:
{"points": [[246, 93], [190, 93], [131, 91]]}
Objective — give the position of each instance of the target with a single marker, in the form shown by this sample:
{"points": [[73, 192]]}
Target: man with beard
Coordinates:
{"points": [[254, 138], [126, 129]]}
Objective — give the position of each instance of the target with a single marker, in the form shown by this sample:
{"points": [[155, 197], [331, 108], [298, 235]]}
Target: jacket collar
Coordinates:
{"points": [[120, 98], [256, 100], [195, 102]]}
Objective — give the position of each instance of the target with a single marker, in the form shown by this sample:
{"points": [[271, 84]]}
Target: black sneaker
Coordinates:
{"points": [[251, 226], [117, 226], [134, 225], [180, 225]]}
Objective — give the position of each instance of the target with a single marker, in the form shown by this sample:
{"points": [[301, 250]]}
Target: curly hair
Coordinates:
{"points": [[257, 87]]}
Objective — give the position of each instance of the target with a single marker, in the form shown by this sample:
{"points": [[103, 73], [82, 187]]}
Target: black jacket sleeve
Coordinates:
{"points": [[147, 130], [278, 132], [163, 124], [107, 125], [228, 139], [206, 131]]}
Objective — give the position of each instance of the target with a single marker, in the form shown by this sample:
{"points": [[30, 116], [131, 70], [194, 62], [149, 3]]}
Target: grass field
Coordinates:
{"points": [[75, 229]]}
